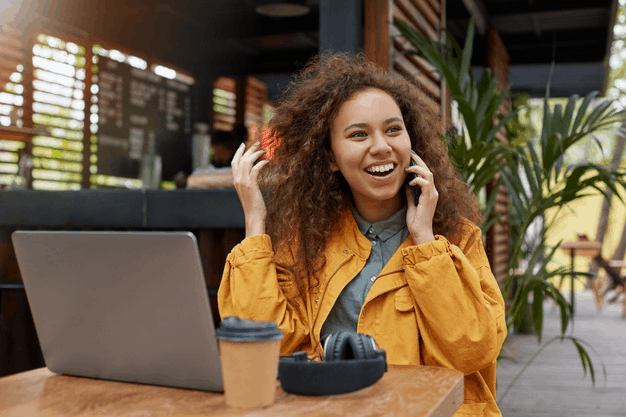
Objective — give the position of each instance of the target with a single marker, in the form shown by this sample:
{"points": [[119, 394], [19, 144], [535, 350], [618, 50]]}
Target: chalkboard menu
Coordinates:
{"points": [[141, 112]]}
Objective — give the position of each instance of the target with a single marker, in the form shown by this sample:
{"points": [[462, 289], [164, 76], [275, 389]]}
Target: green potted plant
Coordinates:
{"points": [[534, 172]]}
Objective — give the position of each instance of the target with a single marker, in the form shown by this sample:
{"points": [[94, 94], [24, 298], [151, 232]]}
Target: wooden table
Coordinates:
{"points": [[403, 390], [579, 248]]}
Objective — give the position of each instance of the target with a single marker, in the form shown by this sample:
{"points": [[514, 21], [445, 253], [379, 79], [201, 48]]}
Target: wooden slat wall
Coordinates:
{"points": [[246, 107], [499, 236], [256, 99], [385, 46], [225, 121], [13, 53]]}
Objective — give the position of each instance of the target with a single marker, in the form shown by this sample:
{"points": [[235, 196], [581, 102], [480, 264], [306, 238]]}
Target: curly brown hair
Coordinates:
{"points": [[306, 198]]}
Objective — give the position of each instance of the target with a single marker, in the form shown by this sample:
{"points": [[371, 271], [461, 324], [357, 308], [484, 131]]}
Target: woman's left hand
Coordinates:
{"points": [[419, 219]]}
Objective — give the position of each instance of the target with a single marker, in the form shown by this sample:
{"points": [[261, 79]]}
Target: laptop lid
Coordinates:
{"points": [[125, 306]]}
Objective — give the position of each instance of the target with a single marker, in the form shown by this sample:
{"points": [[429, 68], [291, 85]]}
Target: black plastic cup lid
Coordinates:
{"points": [[234, 329]]}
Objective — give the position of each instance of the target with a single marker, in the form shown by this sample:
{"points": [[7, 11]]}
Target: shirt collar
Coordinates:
{"points": [[384, 229]]}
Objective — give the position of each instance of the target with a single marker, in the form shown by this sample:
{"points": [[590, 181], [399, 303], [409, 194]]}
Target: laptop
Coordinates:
{"points": [[123, 306]]}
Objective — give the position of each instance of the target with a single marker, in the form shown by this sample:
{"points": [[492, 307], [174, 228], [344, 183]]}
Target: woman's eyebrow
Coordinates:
{"points": [[362, 125], [394, 119], [355, 125]]}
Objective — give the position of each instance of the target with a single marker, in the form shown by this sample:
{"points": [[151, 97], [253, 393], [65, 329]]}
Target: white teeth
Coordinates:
{"points": [[381, 168]]}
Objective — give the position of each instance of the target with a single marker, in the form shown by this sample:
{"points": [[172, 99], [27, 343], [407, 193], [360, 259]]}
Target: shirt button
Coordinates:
{"points": [[371, 230], [373, 278], [374, 243]]}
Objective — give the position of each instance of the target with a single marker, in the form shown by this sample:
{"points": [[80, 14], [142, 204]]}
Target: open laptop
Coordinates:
{"points": [[125, 306]]}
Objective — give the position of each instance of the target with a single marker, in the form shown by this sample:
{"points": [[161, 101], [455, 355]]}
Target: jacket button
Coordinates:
{"points": [[345, 251], [317, 300]]}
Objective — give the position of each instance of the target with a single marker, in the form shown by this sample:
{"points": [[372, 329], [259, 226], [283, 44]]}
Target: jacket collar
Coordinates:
{"points": [[383, 229], [351, 236]]}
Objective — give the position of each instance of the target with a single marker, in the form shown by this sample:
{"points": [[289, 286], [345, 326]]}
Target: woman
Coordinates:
{"points": [[340, 242]]}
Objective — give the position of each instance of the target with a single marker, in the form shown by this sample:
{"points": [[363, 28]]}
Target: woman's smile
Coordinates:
{"points": [[381, 170]]}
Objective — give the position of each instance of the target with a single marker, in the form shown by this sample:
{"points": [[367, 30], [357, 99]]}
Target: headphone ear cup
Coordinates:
{"points": [[364, 346], [337, 346], [358, 347]]}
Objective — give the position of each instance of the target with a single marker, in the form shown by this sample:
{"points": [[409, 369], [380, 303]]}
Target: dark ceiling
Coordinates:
{"points": [[193, 35], [227, 37], [538, 31]]}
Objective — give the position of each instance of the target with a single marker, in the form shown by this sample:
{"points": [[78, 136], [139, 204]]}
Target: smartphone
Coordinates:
{"points": [[417, 190]]}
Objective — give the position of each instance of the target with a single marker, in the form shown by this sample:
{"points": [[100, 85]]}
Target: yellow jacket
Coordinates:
{"points": [[434, 304]]}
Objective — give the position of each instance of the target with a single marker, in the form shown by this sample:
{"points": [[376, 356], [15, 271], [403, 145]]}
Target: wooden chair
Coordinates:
{"points": [[614, 280]]}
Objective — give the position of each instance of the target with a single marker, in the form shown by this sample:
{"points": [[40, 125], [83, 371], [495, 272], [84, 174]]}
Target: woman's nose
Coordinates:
{"points": [[379, 144]]}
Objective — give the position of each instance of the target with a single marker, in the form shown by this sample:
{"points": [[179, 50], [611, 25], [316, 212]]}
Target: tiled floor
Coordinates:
{"points": [[553, 385]]}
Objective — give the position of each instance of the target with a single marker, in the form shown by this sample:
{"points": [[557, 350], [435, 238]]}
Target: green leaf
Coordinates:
{"points": [[469, 117], [467, 53], [537, 316], [569, 112], [582, 110]]}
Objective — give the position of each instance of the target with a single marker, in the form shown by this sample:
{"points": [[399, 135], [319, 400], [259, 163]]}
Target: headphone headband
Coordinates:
{"points": [[352, 362]]}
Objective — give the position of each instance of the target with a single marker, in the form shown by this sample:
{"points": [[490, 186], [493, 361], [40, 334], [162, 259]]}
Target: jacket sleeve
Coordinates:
{"points": [[459, 305], [254, 287]]}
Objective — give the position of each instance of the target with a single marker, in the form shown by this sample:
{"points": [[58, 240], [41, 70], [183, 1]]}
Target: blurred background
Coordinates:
{"points": [[108, 96]]}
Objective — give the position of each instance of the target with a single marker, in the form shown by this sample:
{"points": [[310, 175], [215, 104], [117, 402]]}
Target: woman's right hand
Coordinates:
{"points": [[245, 178]]}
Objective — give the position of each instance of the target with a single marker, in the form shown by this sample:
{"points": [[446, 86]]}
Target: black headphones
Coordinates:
{"points": [[351, 361]]}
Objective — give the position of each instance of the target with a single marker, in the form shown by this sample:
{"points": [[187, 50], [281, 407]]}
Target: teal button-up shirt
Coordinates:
{"points": [[386, 237]]}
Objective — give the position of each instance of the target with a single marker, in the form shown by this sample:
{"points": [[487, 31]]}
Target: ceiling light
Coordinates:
{"points": [[292, 8]]}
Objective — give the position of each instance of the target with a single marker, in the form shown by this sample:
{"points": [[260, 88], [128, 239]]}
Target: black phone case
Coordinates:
{"points": [[417, 190]]}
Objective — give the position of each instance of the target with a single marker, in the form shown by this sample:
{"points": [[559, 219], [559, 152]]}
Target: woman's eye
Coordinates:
{"points": [[394, 129], [358, 134]]}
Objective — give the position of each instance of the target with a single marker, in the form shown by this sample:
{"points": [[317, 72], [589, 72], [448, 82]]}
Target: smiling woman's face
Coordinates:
{"points": [[371, 148]]}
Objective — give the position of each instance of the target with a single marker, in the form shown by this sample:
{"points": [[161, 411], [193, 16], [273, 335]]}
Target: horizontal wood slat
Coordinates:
{"points": [[436, 5], [426, 10], [402, 45], [407, 12], [11, 40], [9, 63], [256, 84], [9, 135], [223, 118], [12, 52], [219, 126], [406, 68], [255, 101], [225, 84]]}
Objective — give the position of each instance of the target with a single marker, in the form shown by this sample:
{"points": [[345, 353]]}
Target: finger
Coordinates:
{"points": [[238, 155], [254, 147], [419, 181], [256, 168], [420, 171], [253, 153], [419, 161], [410, 196], [258, 153]]}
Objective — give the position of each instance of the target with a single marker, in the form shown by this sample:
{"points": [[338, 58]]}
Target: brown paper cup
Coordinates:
{"points": [[249, 372]]}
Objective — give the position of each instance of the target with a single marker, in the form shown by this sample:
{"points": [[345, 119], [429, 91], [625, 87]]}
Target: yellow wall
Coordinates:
{"points": [[582, 217]]}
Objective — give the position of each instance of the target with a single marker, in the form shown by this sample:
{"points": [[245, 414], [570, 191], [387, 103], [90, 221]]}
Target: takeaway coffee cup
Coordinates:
{"points": [[249, 352]]}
